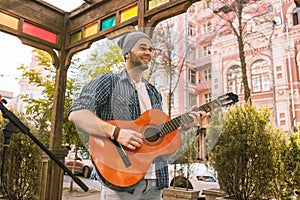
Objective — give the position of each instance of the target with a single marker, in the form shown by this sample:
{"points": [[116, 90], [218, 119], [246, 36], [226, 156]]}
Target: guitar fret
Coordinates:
{"points": [[166, 129], [187, 118], [216, 103], [173, 124], [162, 129], [205, 109], [208, 107]]}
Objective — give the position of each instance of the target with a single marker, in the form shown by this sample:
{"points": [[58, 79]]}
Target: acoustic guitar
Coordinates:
{"points": [[121, 168]]}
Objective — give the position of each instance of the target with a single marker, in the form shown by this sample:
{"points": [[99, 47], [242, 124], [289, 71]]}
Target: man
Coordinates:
{"points": [[124, 96]]}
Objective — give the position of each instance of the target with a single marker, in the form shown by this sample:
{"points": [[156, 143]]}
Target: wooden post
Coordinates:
{"points": [[52, 177], [52, 174], [141, 15]]}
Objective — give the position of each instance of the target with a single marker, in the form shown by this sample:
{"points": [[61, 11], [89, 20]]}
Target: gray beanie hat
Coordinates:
{"points": [[126, 42]]}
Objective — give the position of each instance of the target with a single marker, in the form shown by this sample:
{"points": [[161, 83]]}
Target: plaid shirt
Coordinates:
{"points": [[113, 97]]}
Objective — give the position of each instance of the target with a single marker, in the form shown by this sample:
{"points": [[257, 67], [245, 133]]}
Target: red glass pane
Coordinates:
{"points": [[39, 32]]}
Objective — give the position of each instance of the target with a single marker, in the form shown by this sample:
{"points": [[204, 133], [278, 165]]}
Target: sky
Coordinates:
{"points": [[13, 53], [66, 5]]}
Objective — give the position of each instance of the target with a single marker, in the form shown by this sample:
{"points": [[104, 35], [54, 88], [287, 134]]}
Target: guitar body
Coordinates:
{"points": [[120, 168], [108, 160]]}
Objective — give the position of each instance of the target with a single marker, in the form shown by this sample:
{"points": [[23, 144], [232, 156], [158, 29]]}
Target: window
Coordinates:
{"points": [[206, 4], [207, 74], [270, 8], [191, 53], [207, 97], [193, 76], [206, 28], [191, 30], [235, 82], [193, 99], [205, 51], [260, 76], [296, 16], [192, 10]]}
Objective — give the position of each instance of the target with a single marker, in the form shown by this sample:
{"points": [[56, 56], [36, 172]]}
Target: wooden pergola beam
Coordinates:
{"points": [[36, 13]]}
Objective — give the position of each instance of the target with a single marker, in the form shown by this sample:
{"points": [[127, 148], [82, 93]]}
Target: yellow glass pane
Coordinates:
{"points": [[90, 30], [9, 21], [156, 3], [129, 13]]}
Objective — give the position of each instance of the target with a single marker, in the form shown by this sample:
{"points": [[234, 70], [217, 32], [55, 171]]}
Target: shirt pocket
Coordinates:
{"points": [[122, 105]]}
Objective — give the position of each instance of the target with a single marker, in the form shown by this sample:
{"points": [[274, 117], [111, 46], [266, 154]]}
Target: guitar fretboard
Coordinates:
{"points": [[175, 123]]}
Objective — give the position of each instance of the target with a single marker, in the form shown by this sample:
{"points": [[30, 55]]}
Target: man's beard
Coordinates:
{"points": [[136, 62]]}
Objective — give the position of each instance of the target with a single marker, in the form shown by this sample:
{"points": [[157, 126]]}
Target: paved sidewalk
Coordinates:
{"points": [[79, 194]]}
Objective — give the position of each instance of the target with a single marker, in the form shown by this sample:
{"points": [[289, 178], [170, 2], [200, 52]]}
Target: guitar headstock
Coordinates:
{"points": [[228, 99]]}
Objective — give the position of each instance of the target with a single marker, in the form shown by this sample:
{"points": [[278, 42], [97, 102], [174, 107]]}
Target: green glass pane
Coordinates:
{"points": [[108, 22], [75, 37]]}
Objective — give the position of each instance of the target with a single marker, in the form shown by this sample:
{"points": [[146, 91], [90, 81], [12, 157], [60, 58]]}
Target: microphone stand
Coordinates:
{"points": [[22, 127]]}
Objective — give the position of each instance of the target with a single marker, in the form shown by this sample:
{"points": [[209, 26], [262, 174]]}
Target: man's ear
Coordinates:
{"points": [[126, 56]]}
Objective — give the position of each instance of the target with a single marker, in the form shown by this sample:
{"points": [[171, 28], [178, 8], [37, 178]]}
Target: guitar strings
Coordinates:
{"points": [[160, 130]]}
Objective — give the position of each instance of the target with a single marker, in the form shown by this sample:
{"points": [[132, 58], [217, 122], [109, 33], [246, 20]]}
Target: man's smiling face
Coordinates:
{"points": [[140, 54]]}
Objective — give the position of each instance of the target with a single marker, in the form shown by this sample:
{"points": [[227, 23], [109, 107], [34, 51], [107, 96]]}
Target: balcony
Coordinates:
{"points": [[203, 62], [203, 85]]}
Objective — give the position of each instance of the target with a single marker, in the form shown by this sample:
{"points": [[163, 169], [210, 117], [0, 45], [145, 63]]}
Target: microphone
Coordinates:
{"points": [[8, 130]]}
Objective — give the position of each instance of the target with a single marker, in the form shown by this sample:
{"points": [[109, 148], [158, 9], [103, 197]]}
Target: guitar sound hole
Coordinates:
{"points": [[152, 134]]}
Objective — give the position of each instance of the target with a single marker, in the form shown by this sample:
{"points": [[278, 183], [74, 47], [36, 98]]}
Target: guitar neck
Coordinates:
{"points": [[175, 123]]}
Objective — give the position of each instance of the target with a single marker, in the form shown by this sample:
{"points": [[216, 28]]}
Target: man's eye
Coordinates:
{"points": [[145, 48]]}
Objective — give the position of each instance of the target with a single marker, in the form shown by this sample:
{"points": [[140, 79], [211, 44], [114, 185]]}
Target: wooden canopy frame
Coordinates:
{"points": [[63, 37]]}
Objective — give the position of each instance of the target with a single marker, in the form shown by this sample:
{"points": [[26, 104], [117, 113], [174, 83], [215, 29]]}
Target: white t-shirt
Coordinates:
{"points": [[145, 104]]}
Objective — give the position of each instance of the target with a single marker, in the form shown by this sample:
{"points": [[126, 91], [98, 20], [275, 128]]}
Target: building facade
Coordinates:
{"points": [[26, 88], [206, 48]]}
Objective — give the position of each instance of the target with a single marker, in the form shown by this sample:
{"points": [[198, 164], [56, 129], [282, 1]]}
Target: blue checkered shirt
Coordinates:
{"points": [[113, 97]]}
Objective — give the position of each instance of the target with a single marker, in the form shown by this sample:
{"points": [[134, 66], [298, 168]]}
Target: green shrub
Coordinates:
{"points": [[247, 155], [291, 160], [22, 167]]}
